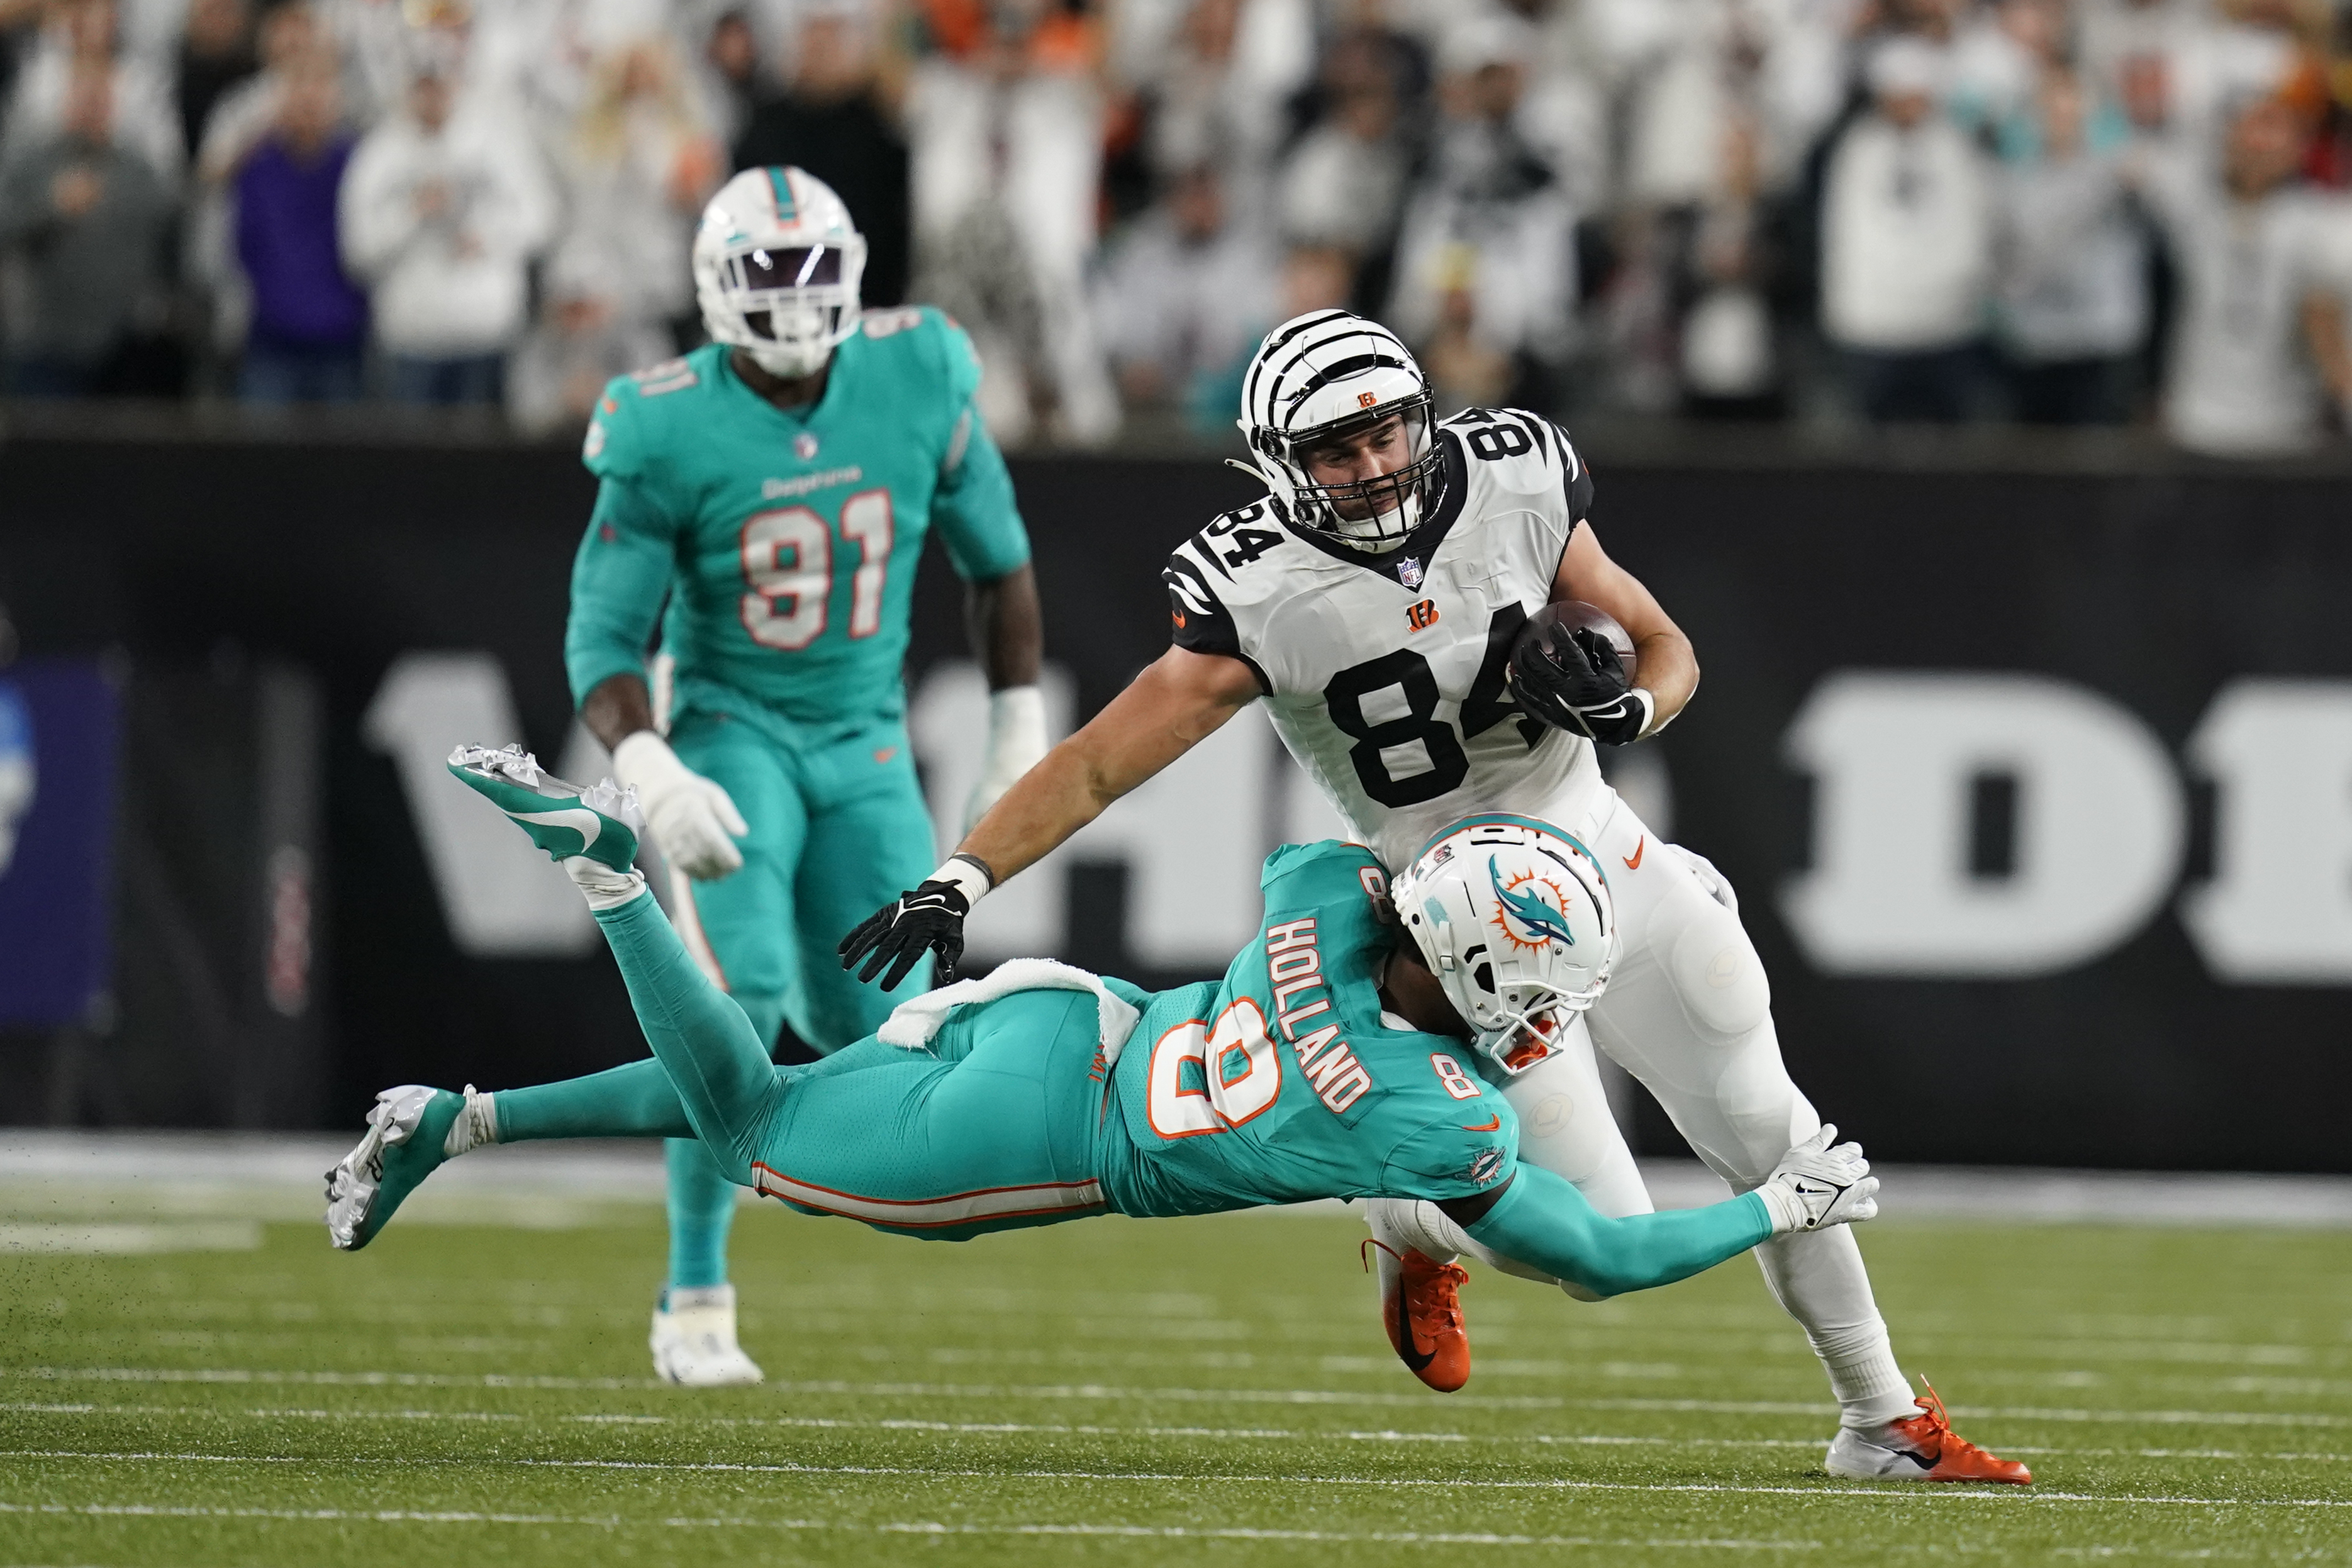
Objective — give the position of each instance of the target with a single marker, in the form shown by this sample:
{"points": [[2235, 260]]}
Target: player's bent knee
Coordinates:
{"points": [[1716, 973]]}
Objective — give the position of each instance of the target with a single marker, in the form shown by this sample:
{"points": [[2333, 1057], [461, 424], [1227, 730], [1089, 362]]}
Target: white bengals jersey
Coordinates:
{"points": [[1386, 675]]}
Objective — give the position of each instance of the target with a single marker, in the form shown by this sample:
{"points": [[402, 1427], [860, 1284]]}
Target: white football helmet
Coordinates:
{"points": [[1515, 919], [777, 263], [1330, 374]]}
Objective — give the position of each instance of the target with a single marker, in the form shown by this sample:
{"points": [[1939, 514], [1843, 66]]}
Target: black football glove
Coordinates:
{"points": [[1575, 681], [897, 935]]}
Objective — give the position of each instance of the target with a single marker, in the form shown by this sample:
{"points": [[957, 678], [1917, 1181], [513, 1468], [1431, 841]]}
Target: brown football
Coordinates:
{"points": [[1575, 613]]}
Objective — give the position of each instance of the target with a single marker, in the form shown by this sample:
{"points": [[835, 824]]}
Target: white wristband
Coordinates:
{"points": [[1650, 723], [1784, 1208], [644, 759], [1016, 723], [972, 882]]}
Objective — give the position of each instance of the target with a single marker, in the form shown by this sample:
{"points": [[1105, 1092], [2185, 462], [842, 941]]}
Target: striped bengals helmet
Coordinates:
{"points": [[776, 267], [1330, 374]]}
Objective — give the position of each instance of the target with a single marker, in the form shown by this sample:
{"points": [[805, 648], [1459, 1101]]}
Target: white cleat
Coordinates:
{"points": [[370, 1181], [1921, 1448], [693, 1340]]}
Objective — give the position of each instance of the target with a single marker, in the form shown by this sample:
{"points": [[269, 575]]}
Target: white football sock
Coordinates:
{"points": [[698, 1298], [476, 1125], [1404, 1224], [1819, 1279], [605, 888]]}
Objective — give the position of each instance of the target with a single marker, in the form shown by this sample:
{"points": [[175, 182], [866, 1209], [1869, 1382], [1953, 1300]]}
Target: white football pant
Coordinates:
{"points": [[1688, 1013]]}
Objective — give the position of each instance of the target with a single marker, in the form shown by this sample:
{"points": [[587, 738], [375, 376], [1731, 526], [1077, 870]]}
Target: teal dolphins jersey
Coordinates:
{"points": [[1283, 1082], [786, 543]]}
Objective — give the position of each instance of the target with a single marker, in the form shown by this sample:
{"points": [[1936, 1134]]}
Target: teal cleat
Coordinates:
{"points": [[406, 1131], [601, 822]]}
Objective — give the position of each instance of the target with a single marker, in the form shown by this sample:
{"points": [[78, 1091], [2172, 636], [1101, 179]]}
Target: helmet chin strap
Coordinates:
{"points": [[1352, 532], [1367, 533]]}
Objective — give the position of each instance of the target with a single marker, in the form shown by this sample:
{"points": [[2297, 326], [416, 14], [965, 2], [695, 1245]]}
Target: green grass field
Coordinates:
{"points": [[1205, 1391]]}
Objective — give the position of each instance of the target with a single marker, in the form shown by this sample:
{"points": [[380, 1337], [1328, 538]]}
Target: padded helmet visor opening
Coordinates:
{"points": [[1534, 1032], [784, 294], [1375, 512], [1532, 1038], [798, 267]]}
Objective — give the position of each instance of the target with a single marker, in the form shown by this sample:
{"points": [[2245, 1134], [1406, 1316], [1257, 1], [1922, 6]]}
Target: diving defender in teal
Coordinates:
{"points": [[774, 489], [1328, 1062]]}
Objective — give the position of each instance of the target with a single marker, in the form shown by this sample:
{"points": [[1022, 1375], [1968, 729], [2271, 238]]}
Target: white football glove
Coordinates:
{"points": [[1816, 1187], [1016, 741], [692, 819]]}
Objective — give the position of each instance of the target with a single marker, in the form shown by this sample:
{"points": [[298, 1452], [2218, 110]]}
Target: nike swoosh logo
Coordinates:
{"points": [[1640, 848], [1488, 1125], [1178, 619], [1410, 1351], [578, 818]]}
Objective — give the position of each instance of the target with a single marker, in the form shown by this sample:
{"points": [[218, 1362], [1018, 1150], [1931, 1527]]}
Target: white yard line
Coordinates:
{"points": [[1882, 1492], [1206, 1434], [1174, 1395], [912, 1527], [230, 1170]]}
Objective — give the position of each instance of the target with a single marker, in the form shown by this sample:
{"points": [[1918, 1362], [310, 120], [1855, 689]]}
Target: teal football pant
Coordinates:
{"points": [[992, 1128], [839, 826]]}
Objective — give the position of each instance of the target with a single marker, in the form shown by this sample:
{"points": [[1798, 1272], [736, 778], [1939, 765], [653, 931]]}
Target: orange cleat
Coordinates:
{"points": [[1424, 1317], [1921, 1448]]}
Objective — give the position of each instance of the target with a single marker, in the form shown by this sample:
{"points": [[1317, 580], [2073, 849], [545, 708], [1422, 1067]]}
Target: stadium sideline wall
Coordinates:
{"points": [[2036, 787]]}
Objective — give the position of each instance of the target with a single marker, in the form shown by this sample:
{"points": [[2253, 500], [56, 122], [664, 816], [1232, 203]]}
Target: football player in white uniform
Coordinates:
{"points": [[1372, 600]]}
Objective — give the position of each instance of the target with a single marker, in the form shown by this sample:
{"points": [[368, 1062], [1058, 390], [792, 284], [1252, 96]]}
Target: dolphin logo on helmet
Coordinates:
{"points": [[1547, 923], [1515, 919]]}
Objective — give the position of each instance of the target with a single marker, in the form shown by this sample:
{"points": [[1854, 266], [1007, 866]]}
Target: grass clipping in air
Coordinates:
{"points": [[1200, 1391]]}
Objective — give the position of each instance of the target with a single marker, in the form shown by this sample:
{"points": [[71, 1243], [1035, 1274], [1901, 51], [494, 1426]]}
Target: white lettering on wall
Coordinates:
{"points": [[501, 898], [2279, 909], [1191, 839], [2099, 835]]}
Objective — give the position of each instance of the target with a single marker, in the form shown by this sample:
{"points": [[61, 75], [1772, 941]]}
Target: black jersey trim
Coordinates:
{"points": [[1207, 603], [1423, 542], [1198, 620], [1534, 427], [1207, 553], [1571, 459]]}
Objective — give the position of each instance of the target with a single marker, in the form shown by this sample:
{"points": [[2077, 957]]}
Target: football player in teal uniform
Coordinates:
{"points": [[1355, 1047], [773, 489]]}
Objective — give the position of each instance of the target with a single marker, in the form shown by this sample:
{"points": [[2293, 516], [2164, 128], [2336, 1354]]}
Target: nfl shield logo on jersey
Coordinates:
{"points": [[804, 446], [1409, 572]]}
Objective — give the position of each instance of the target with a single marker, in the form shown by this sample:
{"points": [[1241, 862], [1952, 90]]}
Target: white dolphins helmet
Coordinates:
{"points": [[1330, 374], [777, 262], [1514, 918]]}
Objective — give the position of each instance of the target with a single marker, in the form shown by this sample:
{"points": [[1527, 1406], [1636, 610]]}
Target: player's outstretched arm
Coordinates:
{"points": [[1538, 1219], [1541, 1220], [1166, 711], [1174, 705]]}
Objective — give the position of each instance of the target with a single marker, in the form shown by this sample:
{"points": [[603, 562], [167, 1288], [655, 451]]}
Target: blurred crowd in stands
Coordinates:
{"points": [[2066, 212]]}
